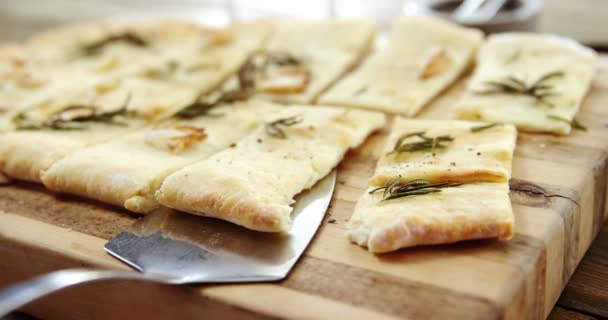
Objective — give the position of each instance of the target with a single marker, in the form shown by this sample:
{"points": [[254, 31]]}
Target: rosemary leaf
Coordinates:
{"points": [[260, 63], [578, 125], [424, 143], [200, 108], [96, 47], [574, 123], [74, 117], [539, 89], [360, 91], [548, 76], [483, 127], [395, 190], [273, 128]]}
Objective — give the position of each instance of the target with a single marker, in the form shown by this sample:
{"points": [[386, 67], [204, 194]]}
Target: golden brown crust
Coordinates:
{"points": [[238, 209], [468, 177], [253, 184], [465, 212], [26, 159], [409, 232]]}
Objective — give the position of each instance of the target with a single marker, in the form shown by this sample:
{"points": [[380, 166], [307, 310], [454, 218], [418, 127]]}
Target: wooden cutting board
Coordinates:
{"points": [[559, 198]]}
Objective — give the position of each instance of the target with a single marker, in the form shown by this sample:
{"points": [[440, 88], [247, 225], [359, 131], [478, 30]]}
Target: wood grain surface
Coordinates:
{"points": [[559, 198], [587, 291]]}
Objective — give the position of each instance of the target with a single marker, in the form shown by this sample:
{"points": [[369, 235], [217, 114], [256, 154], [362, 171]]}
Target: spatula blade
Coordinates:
{"points": [[189, 248]]}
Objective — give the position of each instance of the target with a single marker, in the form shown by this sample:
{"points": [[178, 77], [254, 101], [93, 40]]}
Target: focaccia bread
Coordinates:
{"points": [[534, 81], [127, 47], [127, 170], [465, 212], [304, 58], [446, 150], [253, 184], [67, 121], [22, 76], [212, 60], [159, 59], [47, 133], [424, 56], [70, 117]]}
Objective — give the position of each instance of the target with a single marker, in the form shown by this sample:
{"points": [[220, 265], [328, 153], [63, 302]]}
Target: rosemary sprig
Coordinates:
{"points": [[97, 47], [394, 189], [425, 143], [273, 128], [199, 108], [538, 89], [74, 117], [260, 62], [574, 123], [483, 127], [360, 91]]}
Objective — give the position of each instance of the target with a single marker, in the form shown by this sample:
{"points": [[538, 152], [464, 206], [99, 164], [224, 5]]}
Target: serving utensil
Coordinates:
{"points": [[478, 11], [176, 248]]}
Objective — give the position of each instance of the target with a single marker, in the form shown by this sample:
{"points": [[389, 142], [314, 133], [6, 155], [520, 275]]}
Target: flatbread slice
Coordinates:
{"points": [[120, 48], [127, 170], [424, 56], [534, 81], [151, 93], [57, 126], [446, 150], [45, 134], [24, 80], [253, 184], [304, 58], [465, 212], [21, 76]]}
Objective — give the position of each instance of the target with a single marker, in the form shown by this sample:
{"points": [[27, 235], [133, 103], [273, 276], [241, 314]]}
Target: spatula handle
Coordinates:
{"points": [[25, 292]]}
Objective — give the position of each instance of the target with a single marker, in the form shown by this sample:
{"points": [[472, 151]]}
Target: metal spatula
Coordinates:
{"points": [[177, 248]]}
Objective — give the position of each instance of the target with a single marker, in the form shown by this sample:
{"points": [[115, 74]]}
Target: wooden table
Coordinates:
{"points": [[586, 295]]}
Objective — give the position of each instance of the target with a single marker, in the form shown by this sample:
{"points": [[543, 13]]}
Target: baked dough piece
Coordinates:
{"points": [[97, 50], [465, 212], [21, 76], [548, 106], [130, 46], [326, 51], [478, 152], [24, 80], [207, 63], [424, 56], [184, 53], [253, 184], [127, 170], [29, 150], [152, 93]]}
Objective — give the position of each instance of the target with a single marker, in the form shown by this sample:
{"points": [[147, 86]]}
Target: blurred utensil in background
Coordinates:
{"points": [[479, 11], [489, 15], [583, 20]]}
